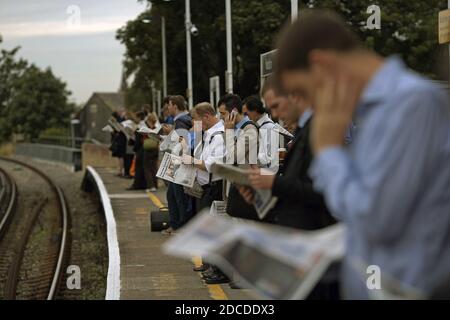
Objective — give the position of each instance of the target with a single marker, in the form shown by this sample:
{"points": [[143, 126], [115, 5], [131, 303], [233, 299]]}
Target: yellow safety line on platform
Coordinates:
{"points": [[215, 290], [155, 200]]}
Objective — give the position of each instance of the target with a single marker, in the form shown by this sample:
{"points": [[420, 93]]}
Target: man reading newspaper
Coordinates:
{"points": [[211, 149]]}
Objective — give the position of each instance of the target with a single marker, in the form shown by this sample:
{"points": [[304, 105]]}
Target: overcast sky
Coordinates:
{"points": [[83, 53]]}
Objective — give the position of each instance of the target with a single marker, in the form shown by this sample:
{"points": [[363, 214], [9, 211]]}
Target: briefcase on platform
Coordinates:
{"points": [[159, 220]]}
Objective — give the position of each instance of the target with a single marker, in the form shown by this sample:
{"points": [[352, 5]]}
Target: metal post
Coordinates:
{"points": [[294, 10], [211, 94], [152, 86], [164, 55], [214, 90], [158, 107], [229, 77], [190, 92]]}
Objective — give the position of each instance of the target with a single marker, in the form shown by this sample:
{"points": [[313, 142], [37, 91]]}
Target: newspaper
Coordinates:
{"points": [[130, 127], [219, 208], [264, 201], [108, 129], [280, 130], [276, 262], [171, 143], [147, 130], [125, 127], [231, 173], [173, 170]]}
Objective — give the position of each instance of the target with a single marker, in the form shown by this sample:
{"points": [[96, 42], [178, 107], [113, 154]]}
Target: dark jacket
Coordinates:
{"points": [[299, 205], [184, 122], [138, 142]]}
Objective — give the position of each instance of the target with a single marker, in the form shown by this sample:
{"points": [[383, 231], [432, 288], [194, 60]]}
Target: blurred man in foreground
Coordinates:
{"points": [[391, 187]]}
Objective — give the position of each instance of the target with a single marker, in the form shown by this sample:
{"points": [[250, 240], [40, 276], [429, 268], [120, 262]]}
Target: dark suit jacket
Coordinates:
{"points": [[299, 206]]}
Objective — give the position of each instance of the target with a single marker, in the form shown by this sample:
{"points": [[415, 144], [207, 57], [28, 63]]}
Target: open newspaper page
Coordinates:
{"points": [[283, 131], [147, 130], [117, 126], [264, 201], [218, 208], [231, 173], [173, 170], [171, 143], [276, 262]]}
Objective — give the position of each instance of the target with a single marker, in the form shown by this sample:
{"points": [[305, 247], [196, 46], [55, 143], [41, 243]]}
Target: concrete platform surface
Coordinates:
{"points": [[145, 272]]}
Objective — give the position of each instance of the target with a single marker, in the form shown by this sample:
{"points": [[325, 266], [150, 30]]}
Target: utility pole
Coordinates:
{"points": [[190, 92], [164, 50], [294, 10], [229, 73], [164, 54]]}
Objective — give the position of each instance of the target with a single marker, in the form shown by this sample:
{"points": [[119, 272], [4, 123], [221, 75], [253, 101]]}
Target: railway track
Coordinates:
{"points": [[8, 199], [34, 226]]}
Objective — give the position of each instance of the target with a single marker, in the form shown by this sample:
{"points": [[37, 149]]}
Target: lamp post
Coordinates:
{"points": [[294, 10], [189, 26], [164, 51], [164, 55], [229, 73]]}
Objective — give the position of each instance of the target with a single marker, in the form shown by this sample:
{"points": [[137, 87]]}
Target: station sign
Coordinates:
{"points": [[444, 26]]}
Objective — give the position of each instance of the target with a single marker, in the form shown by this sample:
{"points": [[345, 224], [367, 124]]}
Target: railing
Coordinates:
{"points": [[68, 142], [59, 153]]}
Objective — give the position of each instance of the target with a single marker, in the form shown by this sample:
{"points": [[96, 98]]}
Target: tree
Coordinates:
{"points": [[31, 99], [408, 28]]}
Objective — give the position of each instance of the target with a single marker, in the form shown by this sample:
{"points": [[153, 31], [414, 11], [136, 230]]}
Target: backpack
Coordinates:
{"points": [[237, 207]]}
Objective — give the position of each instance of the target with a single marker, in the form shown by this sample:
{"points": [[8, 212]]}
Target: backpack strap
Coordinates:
{"points": [[249, 123], [211, 140], [267, 122]]}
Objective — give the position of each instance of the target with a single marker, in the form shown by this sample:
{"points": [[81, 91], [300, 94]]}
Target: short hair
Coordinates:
{"points": [[140, 115], [254, 103], [166, 100], [152, 118], [231, 101], [204, 108], [179, 101], [147, 108], [314, 29]]}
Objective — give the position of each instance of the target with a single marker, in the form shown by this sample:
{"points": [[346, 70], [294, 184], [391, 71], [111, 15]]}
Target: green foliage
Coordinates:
{"points": [[55, 132], [408, 28], [31, 99]]}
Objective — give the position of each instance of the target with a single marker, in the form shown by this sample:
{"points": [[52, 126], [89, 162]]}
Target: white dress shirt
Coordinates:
{"points": [[213, 151], [265, 140]]}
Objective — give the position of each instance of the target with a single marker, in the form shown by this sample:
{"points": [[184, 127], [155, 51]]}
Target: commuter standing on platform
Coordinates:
{"points": [[253, 107], [242, 150], [391, 187], [210, 151], [178, 201]]}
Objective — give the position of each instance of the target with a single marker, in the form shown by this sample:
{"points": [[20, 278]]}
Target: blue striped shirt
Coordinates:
{"points": [[391, 186]]}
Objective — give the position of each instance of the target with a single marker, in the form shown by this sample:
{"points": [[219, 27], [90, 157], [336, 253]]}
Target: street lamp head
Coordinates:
{"points": [[194, 30]]}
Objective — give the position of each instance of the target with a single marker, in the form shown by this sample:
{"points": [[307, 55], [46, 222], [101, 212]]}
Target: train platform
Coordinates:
{"points": [[138, 269]]}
